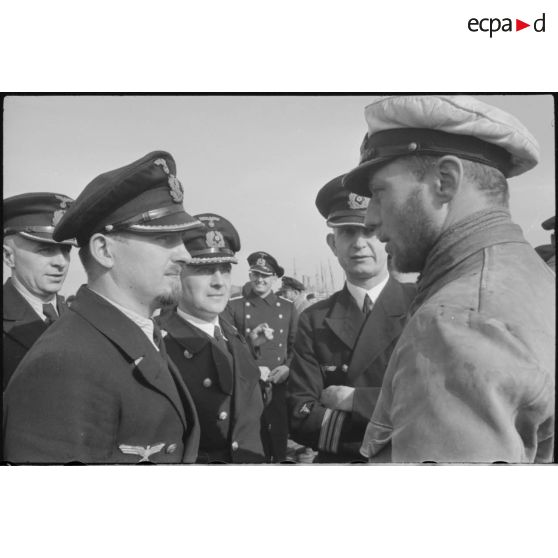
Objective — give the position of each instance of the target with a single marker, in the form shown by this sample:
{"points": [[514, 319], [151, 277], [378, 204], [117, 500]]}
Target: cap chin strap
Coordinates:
{"points": [[143, 218], [214, 250], [31, 236], [29, 229], [390, 144], [214, 260]]}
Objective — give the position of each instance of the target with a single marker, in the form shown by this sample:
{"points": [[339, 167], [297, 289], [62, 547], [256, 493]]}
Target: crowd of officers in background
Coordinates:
{"points": [[153, 361]]}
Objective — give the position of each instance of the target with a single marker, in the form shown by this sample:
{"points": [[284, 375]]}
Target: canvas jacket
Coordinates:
{"points": [[472, 376]]}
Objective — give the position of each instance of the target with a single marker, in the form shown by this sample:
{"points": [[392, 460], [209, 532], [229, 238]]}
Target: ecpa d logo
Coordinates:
{"points": [[492, 25]]}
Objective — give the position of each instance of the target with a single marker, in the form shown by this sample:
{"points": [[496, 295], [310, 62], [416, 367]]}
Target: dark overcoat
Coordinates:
{"points": [[94, 389], [21, 328], [245, 313], [336, 345], [225, 389]]}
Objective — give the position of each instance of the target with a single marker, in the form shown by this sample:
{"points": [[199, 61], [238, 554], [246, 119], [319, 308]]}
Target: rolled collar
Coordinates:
{"points": [[476, 232]]}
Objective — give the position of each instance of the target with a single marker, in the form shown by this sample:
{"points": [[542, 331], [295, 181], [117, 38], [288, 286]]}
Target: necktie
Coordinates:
{"points": [[157, 336], [50, 313], [220, 340], [367, 305]]}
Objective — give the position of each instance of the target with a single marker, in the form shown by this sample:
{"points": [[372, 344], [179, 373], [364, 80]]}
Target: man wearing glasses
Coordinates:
{"points": [[263, 306]]}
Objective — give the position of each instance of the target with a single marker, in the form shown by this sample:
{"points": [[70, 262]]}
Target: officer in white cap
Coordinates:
{"points": [[472, 376], [548, 251]]}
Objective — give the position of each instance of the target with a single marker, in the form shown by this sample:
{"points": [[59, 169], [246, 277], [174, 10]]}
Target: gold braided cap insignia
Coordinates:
{"points": [[357, 202], [214, 239]]}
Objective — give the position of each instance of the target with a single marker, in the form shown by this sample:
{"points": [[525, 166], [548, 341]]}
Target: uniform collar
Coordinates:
{"points": [[358, 293], [270, 298], [145, 324], [35, 302], [207, 327]]}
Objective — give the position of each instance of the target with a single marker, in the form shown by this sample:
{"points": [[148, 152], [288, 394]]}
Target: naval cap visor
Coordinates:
{"points": [[385, 146]]}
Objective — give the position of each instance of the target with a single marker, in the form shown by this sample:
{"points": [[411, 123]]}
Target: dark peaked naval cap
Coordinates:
{"points": [[292, 283], [549, 224], [341, 207], [265, 263], [34, 215], [439, 125], [143, 197], [216, 242]]}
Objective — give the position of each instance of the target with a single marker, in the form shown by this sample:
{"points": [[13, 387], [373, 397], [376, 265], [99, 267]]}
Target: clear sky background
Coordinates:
{"points": [[256, 160]]}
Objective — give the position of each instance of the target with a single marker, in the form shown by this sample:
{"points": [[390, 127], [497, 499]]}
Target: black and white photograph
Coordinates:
{"points": [[279, 279]]}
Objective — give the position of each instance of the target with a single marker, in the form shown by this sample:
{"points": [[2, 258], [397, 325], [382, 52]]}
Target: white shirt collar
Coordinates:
{"points": [[358, 293], [205, 326], [35, 302], [145, 324]]}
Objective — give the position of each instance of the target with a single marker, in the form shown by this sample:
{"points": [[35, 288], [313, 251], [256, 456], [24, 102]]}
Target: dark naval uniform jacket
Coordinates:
{"points": [[22, 326], [337, 345], [246, 312], [94, 389], [225, 389]]}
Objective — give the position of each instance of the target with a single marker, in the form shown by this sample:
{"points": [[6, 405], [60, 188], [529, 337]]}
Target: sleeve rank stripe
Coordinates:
{"points": [[337, 430], [330, 432], [323, 429]]}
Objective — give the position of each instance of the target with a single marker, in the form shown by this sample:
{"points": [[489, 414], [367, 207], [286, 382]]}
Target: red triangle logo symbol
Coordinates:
{"points": [[519, 25]]}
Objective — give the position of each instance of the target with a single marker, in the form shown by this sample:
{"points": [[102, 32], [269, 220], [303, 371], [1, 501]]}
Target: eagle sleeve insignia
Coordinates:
{"points": [[144, 453]]}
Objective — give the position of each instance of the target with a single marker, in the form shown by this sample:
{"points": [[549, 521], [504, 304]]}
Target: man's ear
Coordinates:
{"points": [[101, 248], [450, 176], [9, 255], [330, 239]]}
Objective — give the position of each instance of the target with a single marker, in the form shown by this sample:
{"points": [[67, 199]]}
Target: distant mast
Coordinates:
{"points": [[331, 276]]}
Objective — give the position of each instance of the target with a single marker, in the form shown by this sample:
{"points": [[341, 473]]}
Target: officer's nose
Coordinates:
{"points": [[217, 279], [372, 218], [61, 259], [181, 255], [359, 239]]}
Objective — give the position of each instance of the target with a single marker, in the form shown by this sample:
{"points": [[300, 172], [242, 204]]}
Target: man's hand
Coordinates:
{"points": [[261, 334], [279, 375], [338, 397]]}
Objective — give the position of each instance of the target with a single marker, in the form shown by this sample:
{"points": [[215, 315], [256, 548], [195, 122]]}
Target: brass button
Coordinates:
{"points": [[344, 368], [247, 304], [248, 330], [223, 415], [278, 303], [247, 316], [207, 383], [279, 359], [234, 445], [412, 146], [171, 448], [280, 331], [188, 354], [280, 344], [280, 316]]}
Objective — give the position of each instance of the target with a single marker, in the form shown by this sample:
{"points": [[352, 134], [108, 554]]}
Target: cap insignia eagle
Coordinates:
{"points": [[59, 213], [357, 202], [214, 239], [176, 190]]}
